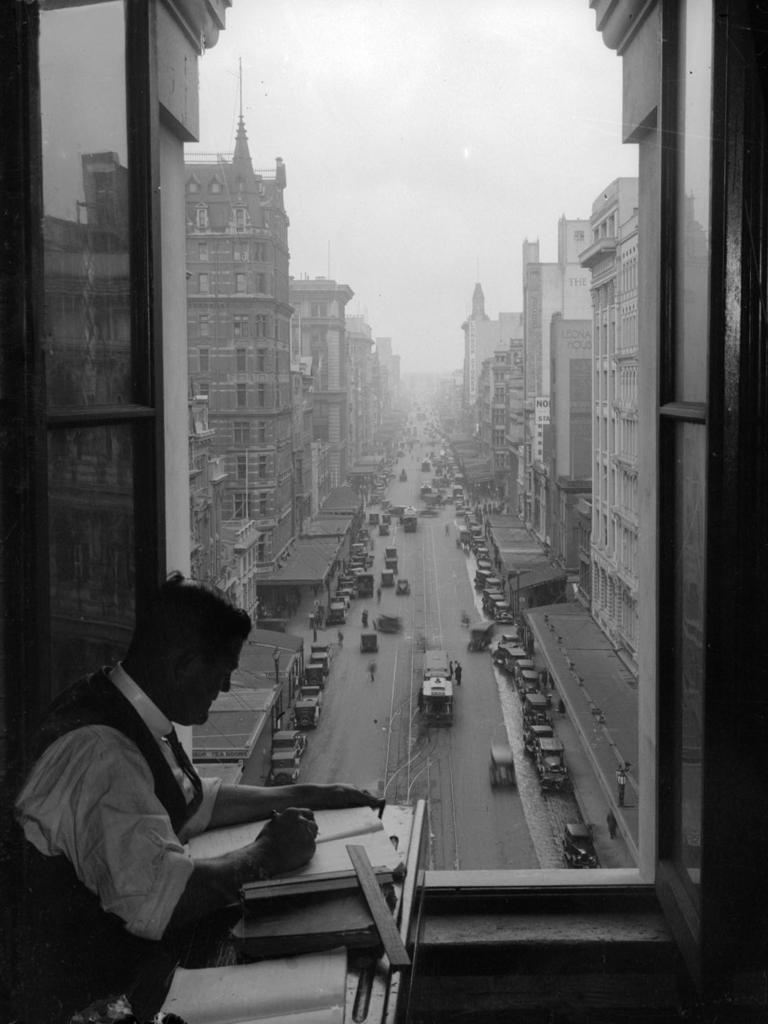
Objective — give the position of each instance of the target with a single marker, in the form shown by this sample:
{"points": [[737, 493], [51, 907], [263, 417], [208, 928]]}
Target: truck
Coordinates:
{"points": [[410, 521]]}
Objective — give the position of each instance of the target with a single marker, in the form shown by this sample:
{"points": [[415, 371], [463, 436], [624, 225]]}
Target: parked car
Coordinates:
{"points": [[369, 642], [306, 709], [289, 739], [284, 768], [578, 847]]}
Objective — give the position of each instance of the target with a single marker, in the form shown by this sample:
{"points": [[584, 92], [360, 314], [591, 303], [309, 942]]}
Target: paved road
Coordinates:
{"points": [[373, 734]]}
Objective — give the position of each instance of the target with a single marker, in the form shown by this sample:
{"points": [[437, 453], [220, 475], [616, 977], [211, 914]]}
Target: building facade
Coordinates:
{"points": [[612, 258], [548, 288], [320, 323], [239, 340]]}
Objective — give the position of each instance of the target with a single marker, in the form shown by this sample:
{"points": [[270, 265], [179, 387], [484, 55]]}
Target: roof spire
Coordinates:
{"points": [[240, 83]]}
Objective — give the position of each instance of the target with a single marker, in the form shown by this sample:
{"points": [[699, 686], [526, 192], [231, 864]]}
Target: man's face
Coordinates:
{"points": [[199, 682]]}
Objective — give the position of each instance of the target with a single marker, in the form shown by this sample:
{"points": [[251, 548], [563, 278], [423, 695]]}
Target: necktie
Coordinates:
{"points": [[187, 767]]}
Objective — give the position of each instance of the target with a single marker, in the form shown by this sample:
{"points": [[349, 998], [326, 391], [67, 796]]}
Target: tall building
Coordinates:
{"points": [[548, 289], [612, 258], [320, 325], [568, 438], [363, 388], [238, 333], [474, 355]]}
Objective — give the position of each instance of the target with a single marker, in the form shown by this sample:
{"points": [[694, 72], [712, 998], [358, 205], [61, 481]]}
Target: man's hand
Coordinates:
{"points": [[340, 794], [286, 842]]}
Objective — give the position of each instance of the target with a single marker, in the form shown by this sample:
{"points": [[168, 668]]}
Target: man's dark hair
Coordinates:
{"points": [[191, 615]]}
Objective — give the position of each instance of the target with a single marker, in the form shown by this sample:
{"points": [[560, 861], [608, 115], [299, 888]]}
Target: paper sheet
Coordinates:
{"points": [[309, 989], [333, 825]]}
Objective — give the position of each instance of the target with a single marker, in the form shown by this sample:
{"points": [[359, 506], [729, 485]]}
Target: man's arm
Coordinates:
{"points": [[286, 842], [237, 804]]}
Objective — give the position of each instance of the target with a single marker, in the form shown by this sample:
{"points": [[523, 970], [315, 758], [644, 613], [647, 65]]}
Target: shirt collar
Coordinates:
{"points": [[150, 713]]}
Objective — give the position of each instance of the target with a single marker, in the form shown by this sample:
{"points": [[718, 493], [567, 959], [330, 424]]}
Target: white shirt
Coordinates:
{"points": [[91, 798]]}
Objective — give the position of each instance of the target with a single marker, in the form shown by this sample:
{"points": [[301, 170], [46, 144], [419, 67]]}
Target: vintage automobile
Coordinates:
{"points": [[314, 673], [337, 614], [369, 642], [502, 766], [284, 768], [531, 736], [391, 564], [289, 739], [323, 659], [365, 584], [550, 764], [480, 636], [536, 710], [307, 706], [403, 475], [388, 623], [383, 529], [388, 578], [506, 655], [578, 846], [373, 518], [402, 587], [320, 647], [527, 681]]}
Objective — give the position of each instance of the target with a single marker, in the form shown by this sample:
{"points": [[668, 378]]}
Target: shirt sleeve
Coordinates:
{"points": [[91, 798]]}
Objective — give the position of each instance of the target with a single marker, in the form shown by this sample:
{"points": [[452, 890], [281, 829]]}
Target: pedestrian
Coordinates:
{"points": [[450, 670], [364, 617], [340, 637], [372, 671], [378, 595], [612, 824], [457, 670], [621, 782]]}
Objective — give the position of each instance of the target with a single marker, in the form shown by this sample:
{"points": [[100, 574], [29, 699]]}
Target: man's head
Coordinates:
{"points": [[185, 646]]}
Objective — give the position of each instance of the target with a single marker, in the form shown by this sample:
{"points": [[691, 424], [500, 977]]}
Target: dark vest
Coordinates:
{"points": [[72, 951]]}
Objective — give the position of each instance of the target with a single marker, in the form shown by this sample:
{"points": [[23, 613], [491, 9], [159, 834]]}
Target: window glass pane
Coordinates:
{"points": [[690, 582], [90, 485], [692, 292], [85, 197]]}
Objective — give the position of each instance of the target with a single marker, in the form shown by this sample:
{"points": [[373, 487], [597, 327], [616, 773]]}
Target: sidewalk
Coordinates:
{"points": [[600, 697]]}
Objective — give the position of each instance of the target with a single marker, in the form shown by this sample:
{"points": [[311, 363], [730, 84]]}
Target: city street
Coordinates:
{"points": [[372, 734]]}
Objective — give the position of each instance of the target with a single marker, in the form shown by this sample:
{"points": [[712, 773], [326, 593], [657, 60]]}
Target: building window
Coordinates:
{"points": [[201, 218], [241, 218], [240, 392], [240, 281], [203, 283], [204, 325], [216, 187], [203, 355], [261, 284], [263, 465], [241, 432], [240, 360], [241, 252], [202, 252], [240, 326], [261, 392], [261, 360], [240, 505], [318, 309], [241, 467], [262, 431]]}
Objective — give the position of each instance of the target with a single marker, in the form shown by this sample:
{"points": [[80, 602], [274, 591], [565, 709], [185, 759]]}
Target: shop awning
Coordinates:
{"points": [[328, 526], [342, 500], [308, 563], [366, 465], [233, 725]]}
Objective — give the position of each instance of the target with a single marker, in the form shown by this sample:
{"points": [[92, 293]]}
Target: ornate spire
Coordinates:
{"points": [[478, 302]]}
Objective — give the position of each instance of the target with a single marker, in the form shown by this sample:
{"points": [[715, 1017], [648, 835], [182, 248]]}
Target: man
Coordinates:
{"points": [[457, 670], [112, 798]]}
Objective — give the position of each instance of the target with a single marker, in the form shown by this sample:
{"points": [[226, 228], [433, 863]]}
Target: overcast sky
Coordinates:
{"points": [[424, 140]]}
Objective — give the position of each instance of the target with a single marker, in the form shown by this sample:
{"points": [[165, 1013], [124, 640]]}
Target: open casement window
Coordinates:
{"points": [[694, 102], [80, 368]]}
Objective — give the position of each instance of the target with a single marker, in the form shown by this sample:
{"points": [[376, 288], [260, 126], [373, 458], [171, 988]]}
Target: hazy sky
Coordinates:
{"points": [[424, 140]]}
